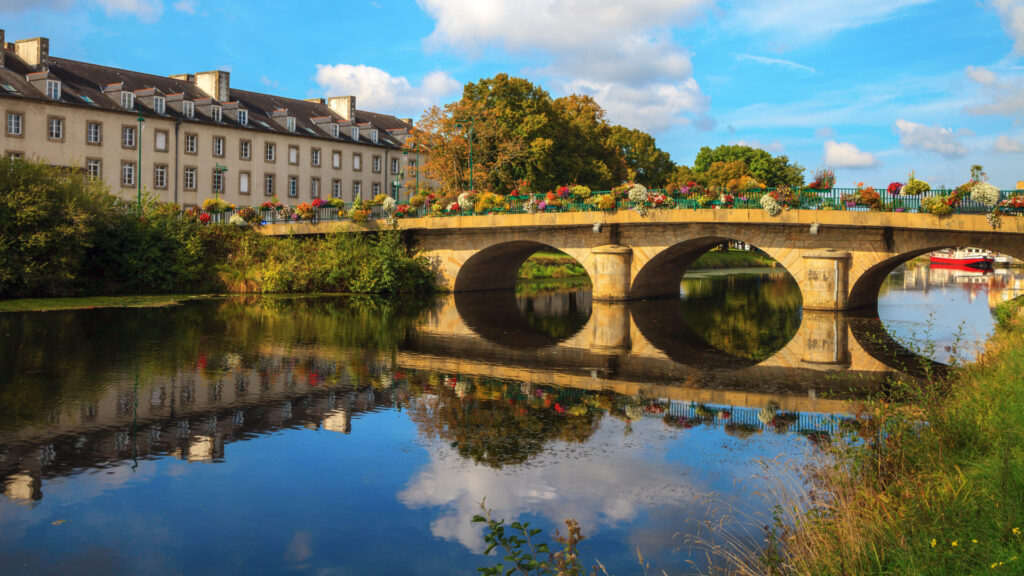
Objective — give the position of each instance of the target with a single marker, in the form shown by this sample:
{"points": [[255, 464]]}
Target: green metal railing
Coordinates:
{"points": [[801, 199]]}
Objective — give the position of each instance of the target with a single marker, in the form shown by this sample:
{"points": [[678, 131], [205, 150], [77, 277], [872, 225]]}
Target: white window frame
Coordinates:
{"points": [[376, 189], [243, 117], [354, 132], [314, 156], [289, 123], [269, 184], [218, 146], [160, 105], [188, 108], [395, 166], [376, 164], [15, 124], [270, 152], [373, 135], [128, 173], [244, 183], [293, 186], [216, 113], [127, 100], [128, 139], [357, 162], [93, 132], [245, 149], [53, 89], [293, 154], [157, 136], [335, 159], [55, 128], [189, 179], [336, 188], [94, 168], [159, 176], [191, 143], [357, 190], [217, 182], [314, 187], [335, 131]]}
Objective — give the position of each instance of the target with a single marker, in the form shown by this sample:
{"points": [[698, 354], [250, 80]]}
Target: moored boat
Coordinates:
{"points": [[969, 257]]}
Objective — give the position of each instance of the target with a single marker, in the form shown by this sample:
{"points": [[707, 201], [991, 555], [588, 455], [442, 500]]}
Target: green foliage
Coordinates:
{"points": [[527, 557], [914, 187], [647, 164], [772, 171], [45, 218]]}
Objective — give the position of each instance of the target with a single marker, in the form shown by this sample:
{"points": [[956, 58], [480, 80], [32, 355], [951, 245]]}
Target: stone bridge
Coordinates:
{"points": [[838, 258]]}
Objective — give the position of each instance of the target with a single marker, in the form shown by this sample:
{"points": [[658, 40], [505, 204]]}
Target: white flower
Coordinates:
{"points": [[530, 206], [770, 205], [389, 205], [466, 201], [638, 195], [237, 220], [985, 193]]}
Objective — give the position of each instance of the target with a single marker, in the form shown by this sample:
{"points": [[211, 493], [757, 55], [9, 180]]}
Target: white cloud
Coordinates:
{"points": [[186, 6], [622, 53], [847, 155], [936, 139], [266, 81], [775, 147], [1011, 12], [375, 89], [792, 22], [1006, 144], [775, 62], [1003, 96], [147, 11]]}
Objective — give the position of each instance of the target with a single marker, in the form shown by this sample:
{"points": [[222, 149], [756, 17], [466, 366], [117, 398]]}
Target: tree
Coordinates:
{"points": [[770, 170], [648, 164], [584, 152]]}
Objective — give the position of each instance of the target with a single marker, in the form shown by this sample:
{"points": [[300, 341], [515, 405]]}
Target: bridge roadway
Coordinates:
{"points": [[838, 258]]}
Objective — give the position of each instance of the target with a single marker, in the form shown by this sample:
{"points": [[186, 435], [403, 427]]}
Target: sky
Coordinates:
{"points": [[873, 88]]}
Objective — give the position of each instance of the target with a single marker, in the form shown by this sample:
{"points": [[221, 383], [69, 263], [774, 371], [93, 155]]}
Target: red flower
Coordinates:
{"points": [[204, 218]]}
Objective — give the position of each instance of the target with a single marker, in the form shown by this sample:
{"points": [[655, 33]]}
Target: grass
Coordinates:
{"points": [[550, 264], [49, 304], [932, 482]]}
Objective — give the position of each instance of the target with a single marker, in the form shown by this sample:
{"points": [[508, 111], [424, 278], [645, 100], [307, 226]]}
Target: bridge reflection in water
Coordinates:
{"points": [[616, 359]]}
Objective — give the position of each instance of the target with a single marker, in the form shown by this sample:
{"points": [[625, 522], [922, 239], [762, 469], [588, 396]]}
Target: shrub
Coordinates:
{"points": [[581, 192], [915, 187], [938, 205]]}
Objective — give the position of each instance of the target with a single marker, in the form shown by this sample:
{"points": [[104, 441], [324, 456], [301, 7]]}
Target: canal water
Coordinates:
{"points": [[338, 435]]}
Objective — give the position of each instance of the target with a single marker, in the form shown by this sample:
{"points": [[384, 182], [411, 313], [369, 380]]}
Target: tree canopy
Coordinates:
{"points": [[769, 170]]}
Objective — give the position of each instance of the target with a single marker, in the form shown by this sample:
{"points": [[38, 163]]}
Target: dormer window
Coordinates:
{"points": [[127, 100], [290, 123], [373, 135], [53, 89], [160, 105], [215, 113], [335, 131], [243, 117], [355, 133], [188, 109]]}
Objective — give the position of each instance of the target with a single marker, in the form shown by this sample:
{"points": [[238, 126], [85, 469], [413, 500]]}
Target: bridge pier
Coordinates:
{"points": [[827, 284], [612, 272], [611, 322]]}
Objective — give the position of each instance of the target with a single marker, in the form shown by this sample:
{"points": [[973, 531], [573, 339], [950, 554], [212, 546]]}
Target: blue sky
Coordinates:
{"points": [[873, 88]]}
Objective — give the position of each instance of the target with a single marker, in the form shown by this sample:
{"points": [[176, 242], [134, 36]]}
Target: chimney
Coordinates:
{"points": [[344, 106], [190, 78], [35, 51], [407, 121], [3, 48], [215, 84], [315, 100]]}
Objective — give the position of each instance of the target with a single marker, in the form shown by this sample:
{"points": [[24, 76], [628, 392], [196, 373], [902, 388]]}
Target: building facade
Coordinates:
{"points": [[198, 137]]}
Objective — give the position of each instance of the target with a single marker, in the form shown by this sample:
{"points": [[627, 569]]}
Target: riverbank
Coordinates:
{"points": [[86, 303], [550, 264], [905, 497]]}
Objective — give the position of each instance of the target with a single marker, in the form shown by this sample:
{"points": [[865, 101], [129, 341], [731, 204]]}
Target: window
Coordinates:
{"points": [[94, 167], [14, 124], [188, 108], [160, 105], [336, 188], [336, 159], [376, 189], [243, 183], [335, 131], [293, 154], [218, 146], [354, 132], [357, 189], [357, 162], [191, 144], [190, 178], [243, 117], [394, 165], [314, 156], [270, 152], [244, 149], [55, 128], [373, 135], [93, 132], [314, 188], [216, 113], [127, 173], [376, 163], [128, 137], [15, 154], [160, 176], [290, 123], [127, 100], [293, 186], [218, 181], [160, 140], [268, 184], [53, 89]]}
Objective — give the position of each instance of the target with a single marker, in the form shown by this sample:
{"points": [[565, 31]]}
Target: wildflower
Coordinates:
{"points": [[934, 542], [1016, 531], [955, 543], [974, 541]]}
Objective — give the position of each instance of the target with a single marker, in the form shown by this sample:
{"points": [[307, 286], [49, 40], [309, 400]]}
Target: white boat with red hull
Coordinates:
{"points": [[968, 257]]}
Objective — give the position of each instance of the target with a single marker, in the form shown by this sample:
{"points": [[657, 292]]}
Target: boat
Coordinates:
{"points": [[968, 257]]}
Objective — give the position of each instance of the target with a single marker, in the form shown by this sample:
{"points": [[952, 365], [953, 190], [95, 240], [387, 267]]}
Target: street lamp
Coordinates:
{"points": [[472, 123], [219, 169], [138, 175]]}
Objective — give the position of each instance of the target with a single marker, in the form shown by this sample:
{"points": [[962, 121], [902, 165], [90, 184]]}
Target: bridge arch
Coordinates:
{"points": [[496, 267]]}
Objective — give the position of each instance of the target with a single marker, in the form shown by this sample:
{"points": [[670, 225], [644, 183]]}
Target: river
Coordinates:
{"points": [[343, 435]]}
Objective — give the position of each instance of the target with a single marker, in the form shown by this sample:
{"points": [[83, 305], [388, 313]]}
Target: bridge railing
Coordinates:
{"points": [[843, 199]]}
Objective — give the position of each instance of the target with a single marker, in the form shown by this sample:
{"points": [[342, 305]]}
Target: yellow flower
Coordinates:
{"points": [[934, 542], [956, 543], [974, 541], [1016, 531]]}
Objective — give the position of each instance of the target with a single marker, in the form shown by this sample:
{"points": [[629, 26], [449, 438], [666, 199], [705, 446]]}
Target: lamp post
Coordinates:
{"points": [[472, 124], [219, 169], [138, 175]]}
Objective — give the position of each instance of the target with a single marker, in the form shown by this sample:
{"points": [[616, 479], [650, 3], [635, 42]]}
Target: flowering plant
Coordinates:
{"points": [[622, 189], [938, 205], [237, 220], [824, 179], [638, 196], [771, 205], [204, 218], [985, 194], [914, 187], [894, 188], [581, 192], [214, 205], [728, 200], [531, 206], [272, 204], [316, 203], [542, 206], [389, 205], [305, 211], [562, 191], [249, 215]]}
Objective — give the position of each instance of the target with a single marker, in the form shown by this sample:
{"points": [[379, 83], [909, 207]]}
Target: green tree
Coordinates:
{"points": [[648, 164], [770, 170], [584, 152]]}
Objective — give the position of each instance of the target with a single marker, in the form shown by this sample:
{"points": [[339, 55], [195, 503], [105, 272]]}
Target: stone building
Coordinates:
{"points": [[199, 135]]}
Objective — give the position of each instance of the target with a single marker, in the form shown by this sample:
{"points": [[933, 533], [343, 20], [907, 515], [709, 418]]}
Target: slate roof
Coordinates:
{"points": [[83, 84]]}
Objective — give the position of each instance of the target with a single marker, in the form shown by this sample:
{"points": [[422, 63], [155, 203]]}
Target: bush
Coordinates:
{"points": [[915, 187]]}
